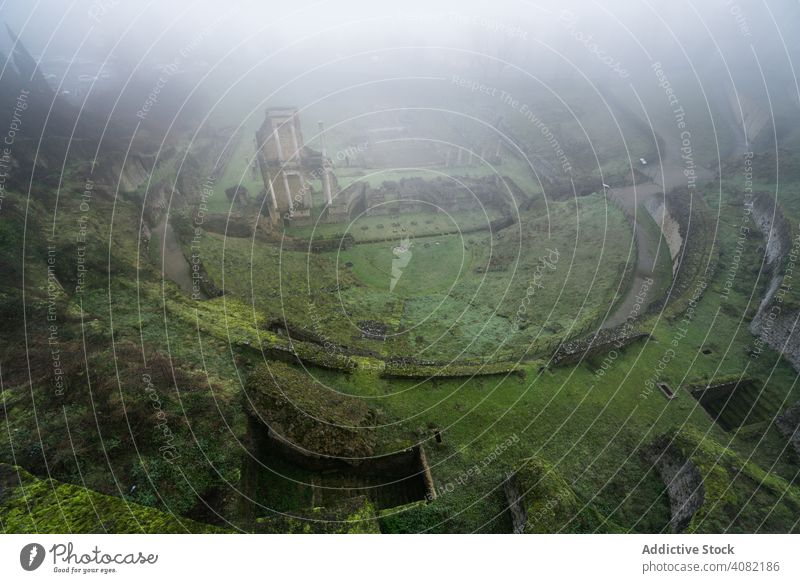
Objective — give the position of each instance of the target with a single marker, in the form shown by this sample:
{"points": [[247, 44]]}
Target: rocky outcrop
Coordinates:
{"points": [[779, 328], [208, 286], [788, 423], [774, 227], [29, 505], [516, 508], [775, 322], [683, 481], [540, 501], [707, 483]]}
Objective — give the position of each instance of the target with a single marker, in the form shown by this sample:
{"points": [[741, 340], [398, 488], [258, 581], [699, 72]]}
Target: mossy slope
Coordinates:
{"points": [[550, 504], [308, 414], [734, 488], [31, 505]]}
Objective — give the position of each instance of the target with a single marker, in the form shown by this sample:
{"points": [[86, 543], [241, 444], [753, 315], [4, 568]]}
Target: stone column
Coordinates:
{"points": [[326, 179], [294, 139], [273, 201], [278, 146], [286, 186]]}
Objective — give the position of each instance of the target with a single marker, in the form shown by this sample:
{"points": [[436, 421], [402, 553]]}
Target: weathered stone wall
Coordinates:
{"points": [[605, 340], [683, 481], [788, 423], [775, 324], [781, 332], [514, 499]]}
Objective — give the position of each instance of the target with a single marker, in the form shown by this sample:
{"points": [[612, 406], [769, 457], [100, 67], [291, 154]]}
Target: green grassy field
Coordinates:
{"points": [[394, 227]]}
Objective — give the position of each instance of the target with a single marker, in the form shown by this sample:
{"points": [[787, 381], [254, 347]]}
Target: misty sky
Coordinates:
{"points": [[307, 48], [308, 32]]}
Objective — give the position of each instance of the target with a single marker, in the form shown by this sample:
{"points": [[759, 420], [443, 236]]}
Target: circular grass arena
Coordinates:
{"points": [[407, 266], [500, 294]]}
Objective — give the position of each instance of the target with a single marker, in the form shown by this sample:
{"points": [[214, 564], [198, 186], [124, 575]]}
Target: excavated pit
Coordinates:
{"points": [[733, 404], [387, 480]]}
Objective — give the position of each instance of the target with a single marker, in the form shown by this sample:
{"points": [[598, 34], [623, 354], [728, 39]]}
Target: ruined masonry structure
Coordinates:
{"points": [[289, 167], [281, 156]]}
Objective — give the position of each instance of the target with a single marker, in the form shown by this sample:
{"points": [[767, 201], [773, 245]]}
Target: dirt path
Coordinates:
{"points": [[647, 248], [664, 177]]}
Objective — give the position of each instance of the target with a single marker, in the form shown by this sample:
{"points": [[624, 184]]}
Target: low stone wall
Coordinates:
{"points": [[304, 347], [309, 354], [292, 332], [410, 369], [604, 340]]}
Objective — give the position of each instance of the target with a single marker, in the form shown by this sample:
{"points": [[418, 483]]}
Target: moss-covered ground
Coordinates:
{"points": [[146, 404], [30, 506]]}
